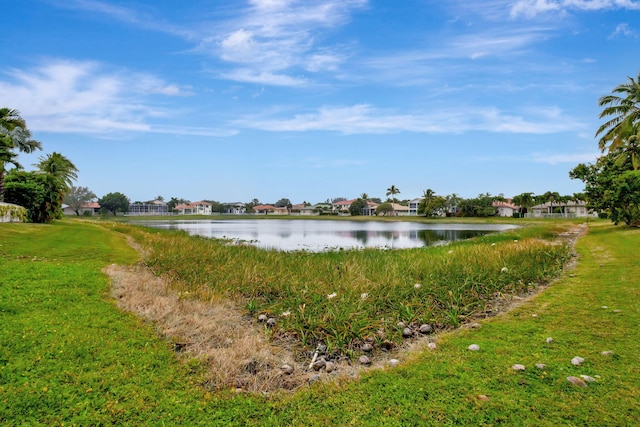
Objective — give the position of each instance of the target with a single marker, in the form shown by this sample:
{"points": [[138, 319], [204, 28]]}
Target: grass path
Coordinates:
{"points": [[68, 356]]}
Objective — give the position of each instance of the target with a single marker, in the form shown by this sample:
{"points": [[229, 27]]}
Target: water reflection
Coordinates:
{"points": [[315, 235]]}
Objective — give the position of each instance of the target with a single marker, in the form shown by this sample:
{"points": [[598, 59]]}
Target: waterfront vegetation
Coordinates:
{"points": [[69, 356], [342, 298]]}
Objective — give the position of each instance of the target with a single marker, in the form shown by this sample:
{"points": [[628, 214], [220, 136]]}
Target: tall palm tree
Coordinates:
{"points": [[365, 197], [14, 135], [623, 108], [392, 191], [60, 168]]}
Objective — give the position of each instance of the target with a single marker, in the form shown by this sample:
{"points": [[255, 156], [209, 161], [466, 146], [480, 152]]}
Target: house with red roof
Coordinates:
{"points": [[195, 208]]}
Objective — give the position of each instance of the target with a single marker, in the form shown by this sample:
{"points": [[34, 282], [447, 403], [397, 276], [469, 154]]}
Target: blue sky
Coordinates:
{"points": [[310, 100]]}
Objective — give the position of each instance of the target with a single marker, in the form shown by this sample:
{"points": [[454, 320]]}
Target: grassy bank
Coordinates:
{"points": [[344, 298], [69, 356]]}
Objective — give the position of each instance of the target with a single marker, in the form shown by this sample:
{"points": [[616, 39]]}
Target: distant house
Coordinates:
{"points": [[154, 207], [303, 209], [506, 208], [413, 206], [400, 210], [91, 208], [370, 209], [281, 210], [264, 209], [235, 208], [570, 209], [195, 208], [342, 206], [323, 207]]}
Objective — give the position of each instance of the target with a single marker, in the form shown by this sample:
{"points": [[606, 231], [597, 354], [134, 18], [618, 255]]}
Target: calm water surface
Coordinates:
{"points": [[318, 235]]}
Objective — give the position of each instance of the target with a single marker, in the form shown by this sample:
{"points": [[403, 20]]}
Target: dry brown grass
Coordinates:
{"points": [[234, 350]]}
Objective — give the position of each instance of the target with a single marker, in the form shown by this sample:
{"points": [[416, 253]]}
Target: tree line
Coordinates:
{"points": [[612, 183]]}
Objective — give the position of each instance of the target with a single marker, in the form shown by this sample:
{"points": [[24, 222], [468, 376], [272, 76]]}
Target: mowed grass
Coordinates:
{"points": [[594, 309], [68, 356]]}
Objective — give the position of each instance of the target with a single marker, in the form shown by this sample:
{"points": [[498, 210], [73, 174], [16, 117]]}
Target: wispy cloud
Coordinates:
{"points": [[272, 39], [271, 42], [86, 97], [365, 119], [531, 8], [324, 163], [145, 20], [624, 30], [573, 158]]}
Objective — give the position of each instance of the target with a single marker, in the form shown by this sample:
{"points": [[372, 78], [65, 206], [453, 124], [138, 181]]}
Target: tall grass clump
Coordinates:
{"points": [[342, 298]]}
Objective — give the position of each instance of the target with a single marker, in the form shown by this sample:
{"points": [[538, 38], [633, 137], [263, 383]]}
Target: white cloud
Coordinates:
{"points": [[262, 77], [365, 119], [322, 163], [86, 97], [531, 8], [624, 30], [279, 37], [573, 158]]}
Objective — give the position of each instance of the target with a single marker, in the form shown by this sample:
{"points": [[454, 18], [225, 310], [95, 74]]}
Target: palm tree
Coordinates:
{"points": [[525, 201], [14, 135], [625, 115], [392, 191], [60, 168]]}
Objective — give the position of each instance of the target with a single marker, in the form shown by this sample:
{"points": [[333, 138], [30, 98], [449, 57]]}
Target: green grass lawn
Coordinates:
{"points": [[69, 356]]}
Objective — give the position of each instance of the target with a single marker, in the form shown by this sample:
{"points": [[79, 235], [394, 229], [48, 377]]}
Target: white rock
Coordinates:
{"points": [[577, 361], [607, 353], [367, 347], [364, 360], [540, 365], [393, 362], [605, 307], [577, 381], [587, 378], [432, 346], [518, 367], [287, 369], [407, 332], [425, 329], [262, 318], [474, 347], [549, 340]]}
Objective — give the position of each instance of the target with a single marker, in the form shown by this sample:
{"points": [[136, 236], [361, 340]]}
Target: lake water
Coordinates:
{"points": [[321, 235]]}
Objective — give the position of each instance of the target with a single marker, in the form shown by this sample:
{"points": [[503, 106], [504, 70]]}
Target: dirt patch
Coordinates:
{"points": [[237, 351]]}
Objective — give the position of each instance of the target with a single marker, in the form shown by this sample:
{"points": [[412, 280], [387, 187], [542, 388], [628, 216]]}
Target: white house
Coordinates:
{"points": [[570, 209], [342, 206], [91, 208], [413, 206], [195, 208], [506, 208], [235, 208]]}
